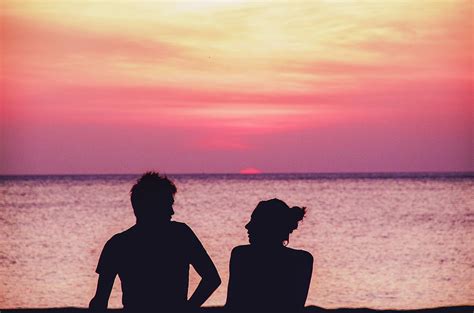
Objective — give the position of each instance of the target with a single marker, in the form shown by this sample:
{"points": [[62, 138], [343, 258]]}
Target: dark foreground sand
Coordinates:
{"points": [[309, 309]]}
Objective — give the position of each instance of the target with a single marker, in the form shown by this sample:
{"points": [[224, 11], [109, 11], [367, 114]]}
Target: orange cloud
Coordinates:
{"points": [[235, 77]]}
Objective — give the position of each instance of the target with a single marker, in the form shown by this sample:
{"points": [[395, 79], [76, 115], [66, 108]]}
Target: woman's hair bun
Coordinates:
{"points": [[296, 214]]}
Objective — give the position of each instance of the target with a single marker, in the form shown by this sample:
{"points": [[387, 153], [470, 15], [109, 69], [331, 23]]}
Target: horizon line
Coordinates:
{"points": [[468, 173]]}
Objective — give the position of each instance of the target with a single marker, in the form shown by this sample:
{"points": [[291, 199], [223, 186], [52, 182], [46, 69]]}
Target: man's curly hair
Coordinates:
{"points": [[147, 187]]}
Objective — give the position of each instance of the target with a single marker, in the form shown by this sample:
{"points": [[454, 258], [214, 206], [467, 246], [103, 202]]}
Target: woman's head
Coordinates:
{"points": [[273, 221]]}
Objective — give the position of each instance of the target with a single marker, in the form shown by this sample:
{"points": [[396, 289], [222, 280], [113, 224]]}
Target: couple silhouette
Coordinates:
{"points": [[152, 259]]}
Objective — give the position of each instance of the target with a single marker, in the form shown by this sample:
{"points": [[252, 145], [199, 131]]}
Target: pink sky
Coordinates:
{"points": [[224, 86]]}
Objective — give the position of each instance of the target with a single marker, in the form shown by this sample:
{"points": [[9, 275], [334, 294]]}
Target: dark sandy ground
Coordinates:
{"points": [[309, 309]]}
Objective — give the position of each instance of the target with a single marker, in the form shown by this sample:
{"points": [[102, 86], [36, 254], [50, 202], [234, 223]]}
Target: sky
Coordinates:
{"points": [[236, 86]]}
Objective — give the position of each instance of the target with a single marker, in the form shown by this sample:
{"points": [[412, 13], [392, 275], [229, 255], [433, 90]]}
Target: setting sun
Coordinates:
{"points": [[250, 170]]}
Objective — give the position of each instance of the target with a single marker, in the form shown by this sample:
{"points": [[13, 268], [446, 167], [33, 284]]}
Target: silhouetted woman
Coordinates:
{"points": [[267, 276]]}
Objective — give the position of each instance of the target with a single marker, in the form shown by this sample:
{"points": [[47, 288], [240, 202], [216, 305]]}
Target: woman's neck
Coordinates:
{"points": [[268, 245]]}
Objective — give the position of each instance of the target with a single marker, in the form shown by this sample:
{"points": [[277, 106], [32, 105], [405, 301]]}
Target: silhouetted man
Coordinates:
{"points": [[152, 258]]}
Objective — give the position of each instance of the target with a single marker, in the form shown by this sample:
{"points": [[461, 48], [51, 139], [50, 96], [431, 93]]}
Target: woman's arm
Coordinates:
{"points": [[231, 288], [235, 289], [305, 279]]}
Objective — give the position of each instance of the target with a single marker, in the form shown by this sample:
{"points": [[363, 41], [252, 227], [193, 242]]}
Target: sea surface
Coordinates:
{"points": [[387, 241]]}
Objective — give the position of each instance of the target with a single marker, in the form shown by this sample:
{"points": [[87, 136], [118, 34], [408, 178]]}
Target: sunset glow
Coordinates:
{"points": [[102, 87], [250, 171]]}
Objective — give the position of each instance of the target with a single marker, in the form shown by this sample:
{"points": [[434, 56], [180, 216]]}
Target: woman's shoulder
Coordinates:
{"points": [[241, 250], [295, 254], [302, 255]]}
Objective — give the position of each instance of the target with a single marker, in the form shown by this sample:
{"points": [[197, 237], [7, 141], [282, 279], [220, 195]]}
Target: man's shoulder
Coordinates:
{"points": [[181, 230], [180, 227], [122, 236]]}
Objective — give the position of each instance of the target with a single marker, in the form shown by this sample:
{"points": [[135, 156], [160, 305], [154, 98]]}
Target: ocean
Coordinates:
{"points": [[385, 241]]}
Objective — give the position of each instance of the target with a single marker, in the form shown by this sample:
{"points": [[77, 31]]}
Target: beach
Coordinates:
{"points": [[309, 309]]}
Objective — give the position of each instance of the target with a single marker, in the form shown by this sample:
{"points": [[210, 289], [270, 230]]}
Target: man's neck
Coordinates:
{"points": [[155, 226]]}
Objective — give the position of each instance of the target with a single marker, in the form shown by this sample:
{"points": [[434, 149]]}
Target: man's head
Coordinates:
{"points": [[152, 198]]}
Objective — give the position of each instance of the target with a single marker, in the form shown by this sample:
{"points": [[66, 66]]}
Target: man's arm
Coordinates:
{"points": [[204, 266], [102, 294], [107, 270]]}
